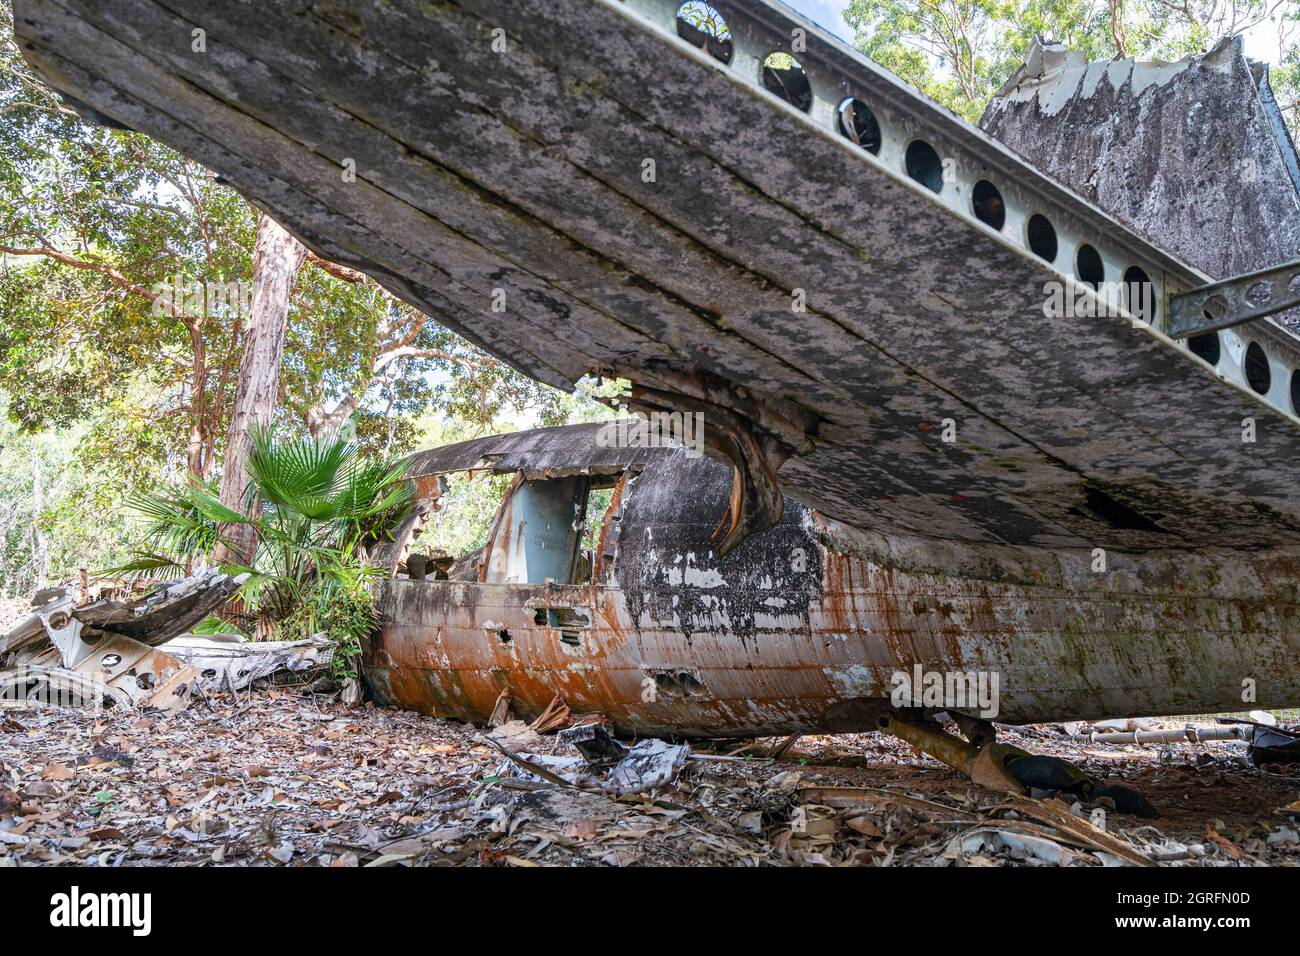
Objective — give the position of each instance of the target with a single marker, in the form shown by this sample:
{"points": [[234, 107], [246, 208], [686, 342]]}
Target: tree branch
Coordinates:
{"points": [[103, 269], [336, 270]]}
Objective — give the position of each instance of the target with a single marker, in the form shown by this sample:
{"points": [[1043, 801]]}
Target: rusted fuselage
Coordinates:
{"points": [[806, 626]]}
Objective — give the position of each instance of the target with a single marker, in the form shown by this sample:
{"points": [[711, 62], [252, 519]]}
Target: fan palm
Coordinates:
{"points": [[312, 506]]}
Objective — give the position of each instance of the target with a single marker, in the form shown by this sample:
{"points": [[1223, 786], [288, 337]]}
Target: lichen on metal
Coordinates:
{"points": [[1196, 156], [866, 338], [805, 626]]}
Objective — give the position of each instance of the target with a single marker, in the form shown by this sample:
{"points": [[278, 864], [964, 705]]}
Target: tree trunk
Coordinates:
{"points": [[198, 393], [40, 547], [277, 257]]}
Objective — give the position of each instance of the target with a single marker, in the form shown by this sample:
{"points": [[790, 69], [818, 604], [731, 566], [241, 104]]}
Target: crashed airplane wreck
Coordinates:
{"points": [[137, 652], [916, 465], [802, 629]]}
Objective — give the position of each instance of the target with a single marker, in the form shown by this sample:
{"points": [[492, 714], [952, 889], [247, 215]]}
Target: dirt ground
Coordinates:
{"points": [[277, 778]]}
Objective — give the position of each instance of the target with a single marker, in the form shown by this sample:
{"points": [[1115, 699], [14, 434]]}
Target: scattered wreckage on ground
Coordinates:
{"points": [[137, 653], [923, 467]]}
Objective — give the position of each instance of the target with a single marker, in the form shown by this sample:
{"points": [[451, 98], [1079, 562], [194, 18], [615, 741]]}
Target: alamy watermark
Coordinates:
{"points": [[77, 909], [946, 690], [38, 687], [1088, 301], [656, 430], [181, 296]]}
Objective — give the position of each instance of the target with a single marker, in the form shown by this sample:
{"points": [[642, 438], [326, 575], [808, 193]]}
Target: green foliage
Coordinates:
{"points": [[317, 504], [1285, 74], [959, 52], [106, 218], [342, 614], [591, 400], [215, 625], [179, 529], [75, 521], [464, 516], [704, 18], [597, 504]]}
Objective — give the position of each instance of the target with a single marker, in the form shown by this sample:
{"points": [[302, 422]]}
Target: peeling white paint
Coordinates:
{"points": [[854, 681], [1056, 75]]}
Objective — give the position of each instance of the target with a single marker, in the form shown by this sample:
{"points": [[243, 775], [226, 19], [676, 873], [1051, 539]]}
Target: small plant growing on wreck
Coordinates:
{"points": [[315, 506]]}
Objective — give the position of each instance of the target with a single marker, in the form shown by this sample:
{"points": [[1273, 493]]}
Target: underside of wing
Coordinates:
{"points": [[579, 189]]}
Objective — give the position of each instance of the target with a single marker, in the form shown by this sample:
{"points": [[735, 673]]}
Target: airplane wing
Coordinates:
{"points": [[580, 186]]}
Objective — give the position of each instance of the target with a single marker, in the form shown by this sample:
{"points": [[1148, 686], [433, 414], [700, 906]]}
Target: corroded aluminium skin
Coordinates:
{"points": [[480, 172], [522, 171], [806, 623], [1193, 154]]}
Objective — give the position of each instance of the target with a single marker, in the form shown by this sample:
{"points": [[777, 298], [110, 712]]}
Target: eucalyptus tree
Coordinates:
{"points": [[126, 281]]}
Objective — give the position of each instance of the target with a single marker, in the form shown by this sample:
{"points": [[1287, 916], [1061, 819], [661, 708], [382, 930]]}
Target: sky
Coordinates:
{"points": [[1261, 42], [826, 14]]}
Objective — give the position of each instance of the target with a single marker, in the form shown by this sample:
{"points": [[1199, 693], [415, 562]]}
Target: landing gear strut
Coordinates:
{"points": [[1008, 769]]}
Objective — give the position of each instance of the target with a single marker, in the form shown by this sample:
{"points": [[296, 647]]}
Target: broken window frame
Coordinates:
{"points": [[604, 553]]}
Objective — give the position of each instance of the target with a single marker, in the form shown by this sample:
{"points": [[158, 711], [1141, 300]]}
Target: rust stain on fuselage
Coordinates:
{"points": [[811, 616]]}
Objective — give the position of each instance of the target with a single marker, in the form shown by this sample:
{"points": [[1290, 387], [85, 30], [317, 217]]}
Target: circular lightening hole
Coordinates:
{"points": [[924, 165], [702, 26], [1042, 237], [1088, 266], [1216, 306], [1256, 368], [859, 125], [784, 77], [1259, 293], [1139, 295], [988, 205]]}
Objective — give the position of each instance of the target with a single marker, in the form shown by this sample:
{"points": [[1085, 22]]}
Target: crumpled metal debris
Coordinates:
{"points": [[171, 609], [104, 654], [1268, 744], [225, 664], [596, 744], [1025, 847], [160, 615], [30, 684], [648, 764], [643, 766]]}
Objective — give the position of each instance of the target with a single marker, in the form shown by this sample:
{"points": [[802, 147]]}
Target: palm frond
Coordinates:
{"points": [[215, 625], [319, 500], [302, 475], [175, 523], [159, 565]]}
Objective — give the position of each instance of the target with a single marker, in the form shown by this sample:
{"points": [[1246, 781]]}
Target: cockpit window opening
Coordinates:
{"points": [[596, 517], [508, 529], [462, 515]]}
